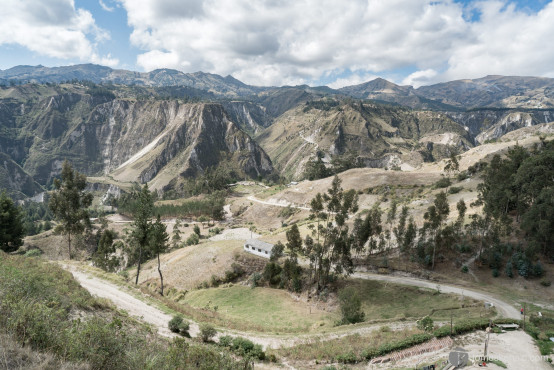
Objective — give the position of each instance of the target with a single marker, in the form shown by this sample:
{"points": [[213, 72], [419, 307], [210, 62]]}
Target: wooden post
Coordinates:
{"points": [[451, 322], [524, 313]]}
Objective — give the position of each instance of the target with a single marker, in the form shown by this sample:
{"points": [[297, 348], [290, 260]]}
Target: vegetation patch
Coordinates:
{"points": [[38, 306], [265, 309]]}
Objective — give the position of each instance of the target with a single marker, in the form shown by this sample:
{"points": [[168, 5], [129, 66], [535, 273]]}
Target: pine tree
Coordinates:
{"points": [[69, 202], [142, 223], [11, 224], [176, 238]]}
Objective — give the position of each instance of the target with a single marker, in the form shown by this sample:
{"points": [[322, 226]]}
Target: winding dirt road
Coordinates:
{"points": [[503, 308], [152, 315]]}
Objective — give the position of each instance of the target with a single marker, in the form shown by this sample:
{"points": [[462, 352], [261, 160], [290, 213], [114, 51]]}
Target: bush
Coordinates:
{"points": [[465, 269], [509, 270], [174, 323], [425, 324], [193, 239], [443, 183], [33, 253], [196, 230], [538, 271], [225, 341], [495, 272], [350, 306], [455, 190], [207, 332], [255, 279], [347, 358], [184, 328], [242, 345], [546, 283]]}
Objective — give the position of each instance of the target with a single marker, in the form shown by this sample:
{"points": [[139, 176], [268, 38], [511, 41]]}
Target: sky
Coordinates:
{"points": [[287, 42]]}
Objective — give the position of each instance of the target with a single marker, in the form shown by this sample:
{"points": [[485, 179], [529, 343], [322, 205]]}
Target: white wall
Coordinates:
{"points": [[261, 254]]}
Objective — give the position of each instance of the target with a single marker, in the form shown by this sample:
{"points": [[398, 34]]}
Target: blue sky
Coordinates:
{"points": [[278, 42]]}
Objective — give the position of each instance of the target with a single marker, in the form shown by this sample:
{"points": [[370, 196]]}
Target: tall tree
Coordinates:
{"points": [[142, 223], [69, 203], [435, 216], [331, 249], [176, 238], [158, 240], [11, 224], [400, 229], [294, 242]]}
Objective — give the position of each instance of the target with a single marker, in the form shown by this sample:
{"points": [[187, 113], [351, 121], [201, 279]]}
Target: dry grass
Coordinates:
{"points": [[14, 356], [186, 268], [328, 350]]}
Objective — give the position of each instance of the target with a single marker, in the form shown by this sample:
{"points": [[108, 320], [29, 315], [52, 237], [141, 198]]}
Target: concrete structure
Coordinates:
{"points": [[258, 248]]}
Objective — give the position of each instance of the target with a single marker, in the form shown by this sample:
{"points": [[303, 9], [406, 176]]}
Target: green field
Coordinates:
{"points": [[265, 308], [390, 301]]}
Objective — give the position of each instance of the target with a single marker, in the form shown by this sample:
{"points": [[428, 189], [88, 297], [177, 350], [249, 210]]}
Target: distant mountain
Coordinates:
{"points": [[494, 91], [490, 91], [223, 86]]}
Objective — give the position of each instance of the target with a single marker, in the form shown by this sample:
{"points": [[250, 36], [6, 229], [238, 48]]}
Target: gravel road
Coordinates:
{"points": [[504, 308]]}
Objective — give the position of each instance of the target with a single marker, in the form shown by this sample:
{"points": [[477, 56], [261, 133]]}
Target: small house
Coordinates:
{"points": [[258, 248]]}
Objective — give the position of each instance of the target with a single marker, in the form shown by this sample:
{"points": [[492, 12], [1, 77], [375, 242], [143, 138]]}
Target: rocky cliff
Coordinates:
{"points": [[148, 140]]}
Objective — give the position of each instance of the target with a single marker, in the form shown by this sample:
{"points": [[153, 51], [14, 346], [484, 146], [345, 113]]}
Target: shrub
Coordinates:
{"points": [[509, 270], [225, 341], [184, 328], [425, 324], [242, 345], [207, 332], [443, 331], [255, 279], [350, 306], [174, 323], [193, 239], [546, 283], [455, 189], [257, 352], [538, 271], [33, 253], [465, 269], [347, 358], [196, 230], [443, 183], [495, 272]]}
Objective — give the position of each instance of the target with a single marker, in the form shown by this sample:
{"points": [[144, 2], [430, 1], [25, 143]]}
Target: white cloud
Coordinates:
{"points": [[53, 28], [419, 78], [353, 79], [105, 6], [277, 42], [506, 42]]}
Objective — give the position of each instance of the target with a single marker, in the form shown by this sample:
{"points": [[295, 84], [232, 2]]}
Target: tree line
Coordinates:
{"points": [[517, 195]]}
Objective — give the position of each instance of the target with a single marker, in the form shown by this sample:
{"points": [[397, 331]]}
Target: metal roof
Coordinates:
{"points": [[259, 244]]}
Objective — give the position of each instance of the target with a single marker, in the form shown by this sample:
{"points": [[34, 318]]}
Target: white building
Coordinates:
{"points": [[258, 248]]}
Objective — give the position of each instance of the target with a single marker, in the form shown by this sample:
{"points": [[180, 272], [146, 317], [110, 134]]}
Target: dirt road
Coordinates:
{"points": [[280, 203], [504, 308], [154, 316]]}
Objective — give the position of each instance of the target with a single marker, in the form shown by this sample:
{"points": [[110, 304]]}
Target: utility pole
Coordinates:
{"points": [[489, 329]]}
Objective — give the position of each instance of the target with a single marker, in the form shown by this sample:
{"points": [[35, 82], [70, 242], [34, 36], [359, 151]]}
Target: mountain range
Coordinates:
{"points": [[165, 126]]}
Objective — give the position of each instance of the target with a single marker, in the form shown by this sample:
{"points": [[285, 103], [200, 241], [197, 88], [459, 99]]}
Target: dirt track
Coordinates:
{"points": [[504, 308], [154, 316]]}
